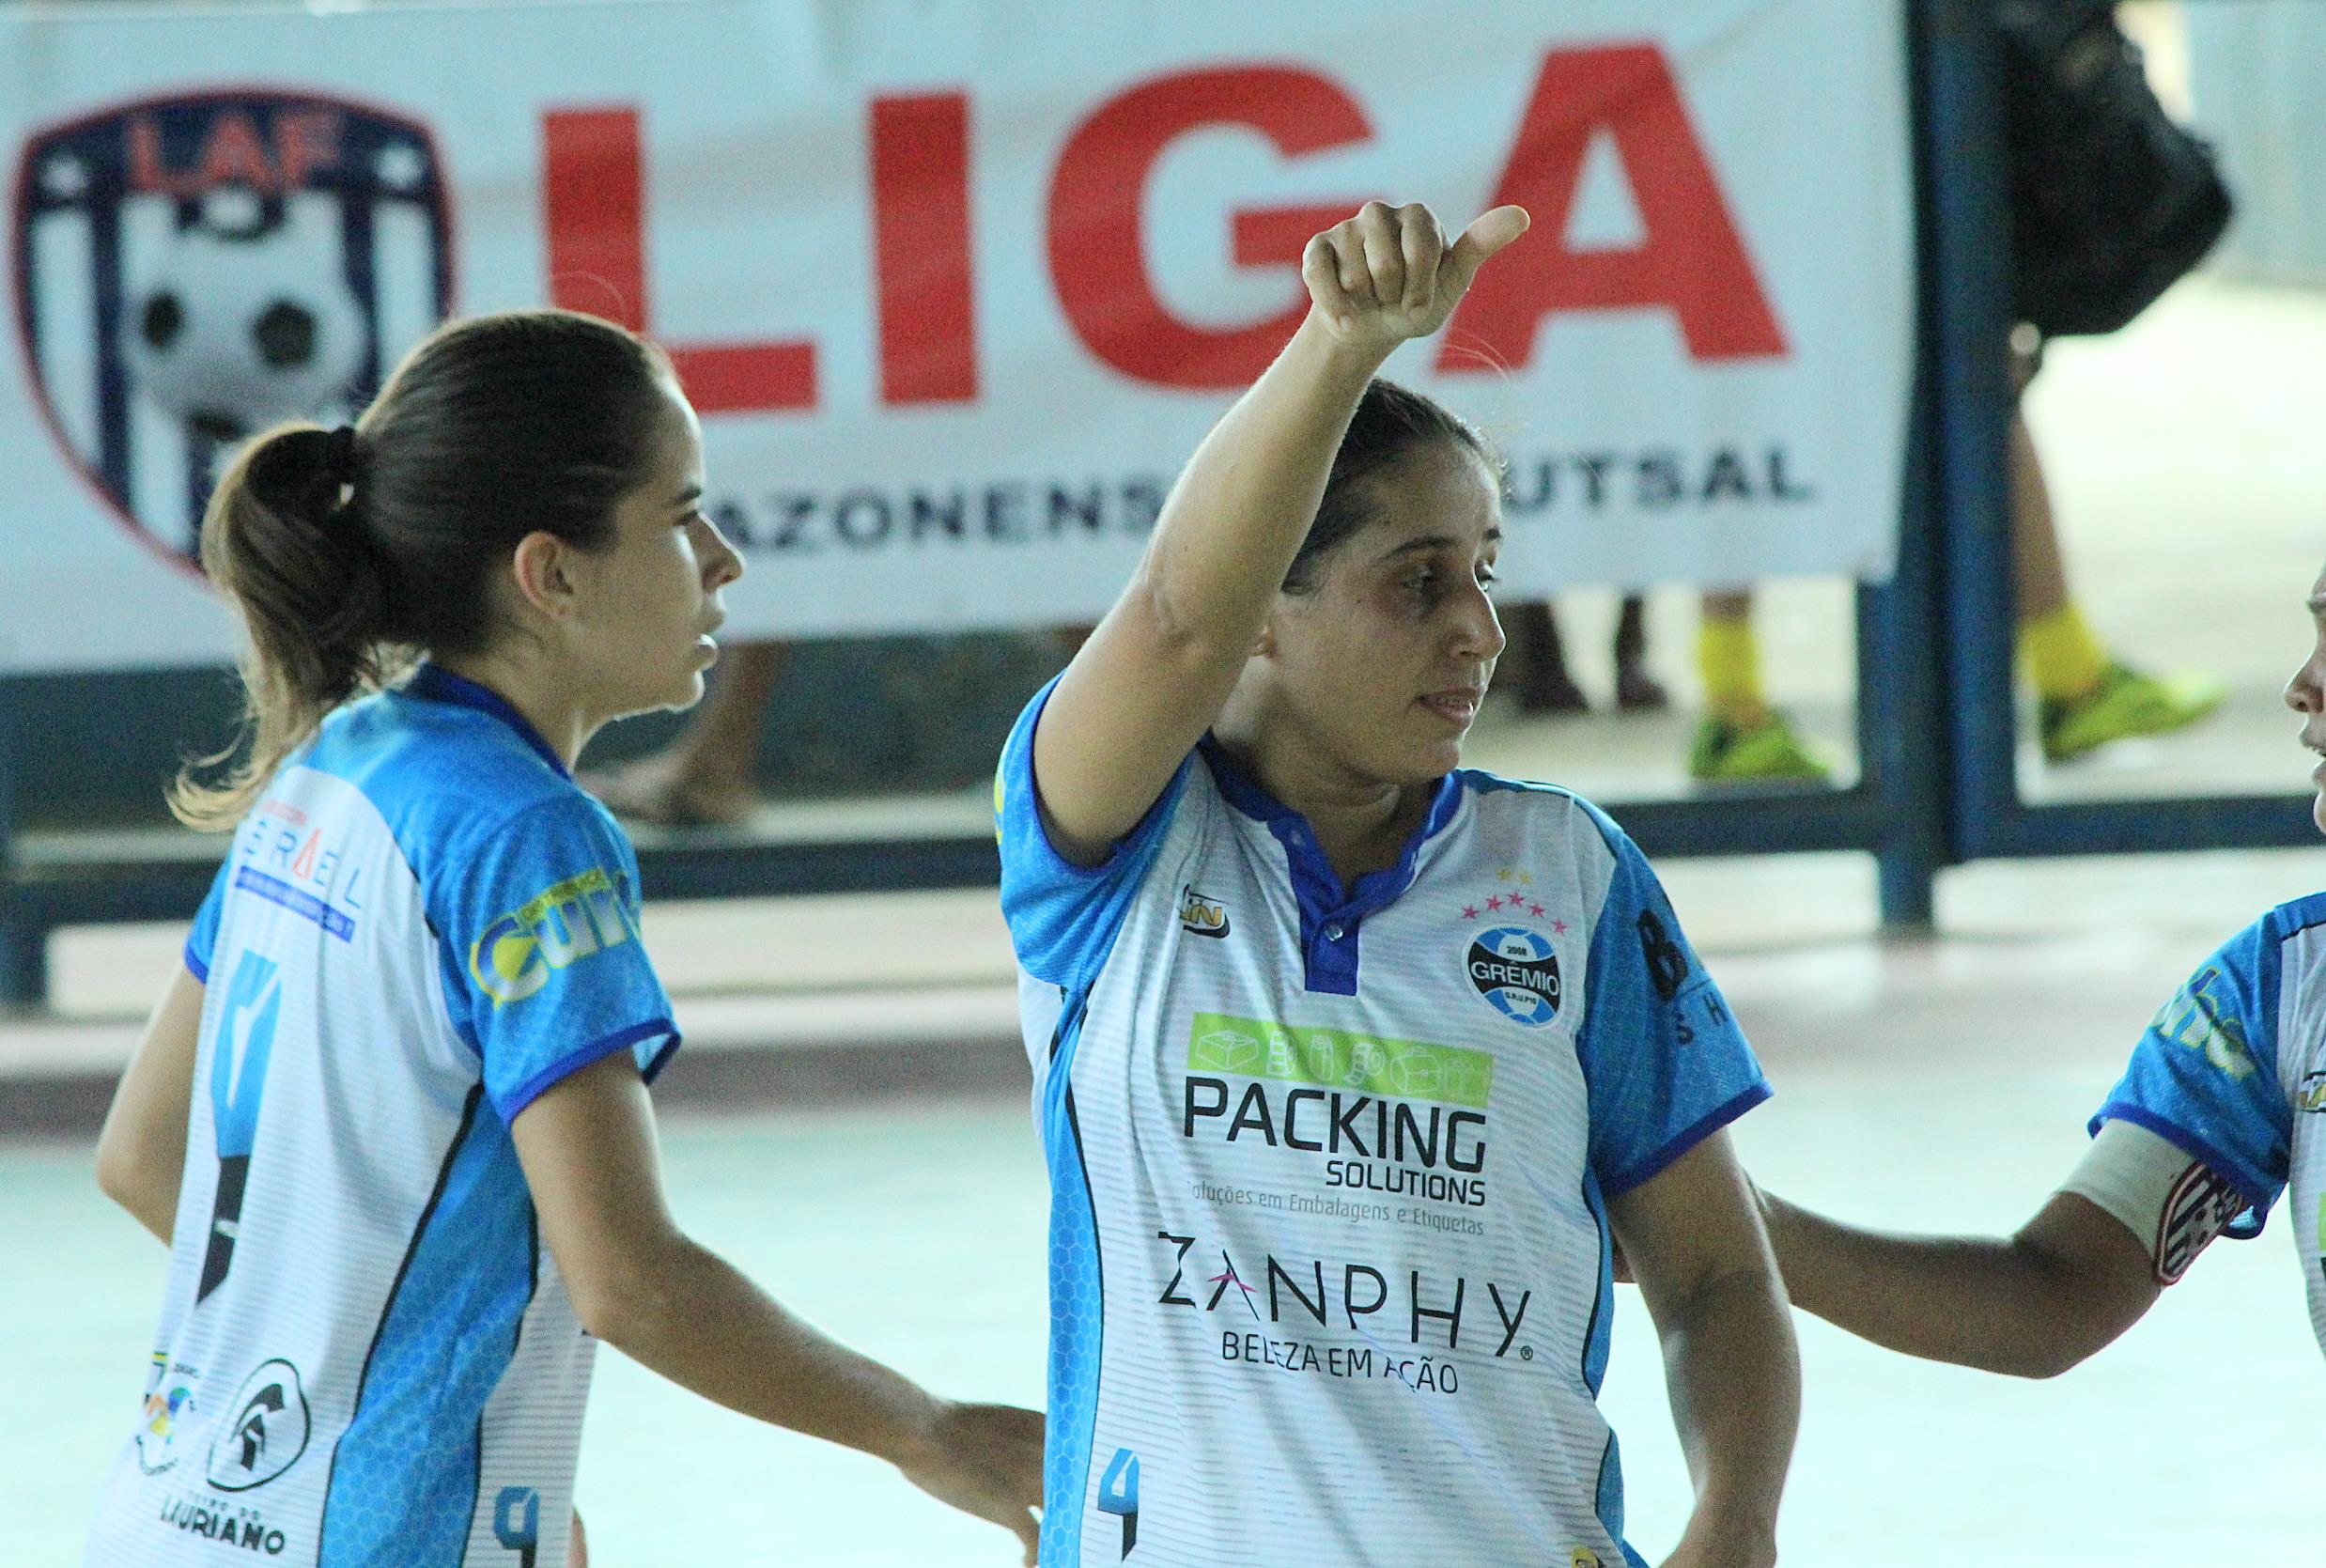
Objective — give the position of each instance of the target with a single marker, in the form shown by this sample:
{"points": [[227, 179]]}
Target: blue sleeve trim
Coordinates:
{"points": [[1148, 825], [1141, 836], [2261, 1196], [565, 1066], [1703, 1127], [1064, 918], [194, 966]]}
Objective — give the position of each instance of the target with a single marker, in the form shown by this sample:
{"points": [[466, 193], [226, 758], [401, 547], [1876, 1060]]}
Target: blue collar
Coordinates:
{"points": [[1318, 887], [438, 685]]}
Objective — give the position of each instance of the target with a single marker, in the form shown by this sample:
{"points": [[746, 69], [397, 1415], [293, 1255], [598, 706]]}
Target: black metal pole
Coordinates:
{"points": [[24, 940], [1967, 273]]}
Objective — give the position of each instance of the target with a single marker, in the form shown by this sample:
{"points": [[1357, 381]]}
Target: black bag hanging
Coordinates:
{"points": [[2111, 199]]}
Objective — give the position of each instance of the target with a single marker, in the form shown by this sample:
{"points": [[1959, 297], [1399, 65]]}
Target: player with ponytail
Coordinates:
{"points": [[392, 1115]]}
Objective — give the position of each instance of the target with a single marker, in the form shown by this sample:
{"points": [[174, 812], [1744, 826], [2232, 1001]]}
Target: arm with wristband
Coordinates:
{"points": [[2192, 1143]]}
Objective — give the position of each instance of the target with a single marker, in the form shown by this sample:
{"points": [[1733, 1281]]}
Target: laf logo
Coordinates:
{"points": [[1205, 917], [193, 268]]}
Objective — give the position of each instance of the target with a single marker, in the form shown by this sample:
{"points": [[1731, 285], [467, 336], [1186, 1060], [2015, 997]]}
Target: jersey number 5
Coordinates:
{"points": [[238, 1078]]}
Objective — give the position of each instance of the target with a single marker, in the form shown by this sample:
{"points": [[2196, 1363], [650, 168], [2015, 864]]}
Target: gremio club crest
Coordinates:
{"points": [[189, 269]]}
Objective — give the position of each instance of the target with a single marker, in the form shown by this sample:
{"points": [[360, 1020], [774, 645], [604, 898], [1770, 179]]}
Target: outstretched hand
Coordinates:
{"points": [[1389, 274], [987, 1460]]}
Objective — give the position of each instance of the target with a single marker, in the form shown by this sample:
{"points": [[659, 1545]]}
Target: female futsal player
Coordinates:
{"points": [[392, 1114], [2223, 1105], [1346, 1060]]}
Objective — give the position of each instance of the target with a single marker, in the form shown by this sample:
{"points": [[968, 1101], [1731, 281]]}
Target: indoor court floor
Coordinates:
{"points": [[1926, 1083]]}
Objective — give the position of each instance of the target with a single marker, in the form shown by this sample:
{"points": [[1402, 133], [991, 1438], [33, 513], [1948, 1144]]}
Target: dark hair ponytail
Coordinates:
{"points": [[280, 540], [351, 552]]}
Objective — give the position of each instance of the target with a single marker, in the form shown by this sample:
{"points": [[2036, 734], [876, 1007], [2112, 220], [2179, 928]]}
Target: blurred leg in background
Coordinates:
{"points": [[1535, 663], [1742, 739], [2085, 696]]}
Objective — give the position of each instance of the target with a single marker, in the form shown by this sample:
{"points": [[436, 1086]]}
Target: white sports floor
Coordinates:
{"points": [[1931, 1083], [1926, 1084]]}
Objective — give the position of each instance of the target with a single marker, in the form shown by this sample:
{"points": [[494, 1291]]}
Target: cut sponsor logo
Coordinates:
{"points": [[1340, 1059], [559, 926], [1204, 916], [2310, 1096], [2195, 1017]]}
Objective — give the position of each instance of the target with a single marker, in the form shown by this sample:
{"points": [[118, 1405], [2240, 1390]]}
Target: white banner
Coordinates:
{"points": [[958, 285]]}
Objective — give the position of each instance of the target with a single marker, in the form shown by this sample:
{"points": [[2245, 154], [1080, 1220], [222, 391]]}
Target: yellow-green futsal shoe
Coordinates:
{"points": [[2125, 703], [1770, 752]]}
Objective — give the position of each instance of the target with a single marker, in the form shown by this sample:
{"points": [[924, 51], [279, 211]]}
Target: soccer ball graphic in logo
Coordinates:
{"points": [[189, 269], [1516, 970], [239, 326]]}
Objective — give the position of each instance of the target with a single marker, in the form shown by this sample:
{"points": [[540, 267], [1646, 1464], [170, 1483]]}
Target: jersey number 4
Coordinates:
{"points": [[238, 1078]]}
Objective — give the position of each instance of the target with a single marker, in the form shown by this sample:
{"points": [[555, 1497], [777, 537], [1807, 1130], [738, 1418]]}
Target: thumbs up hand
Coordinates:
{"points": [[1389, 274]]}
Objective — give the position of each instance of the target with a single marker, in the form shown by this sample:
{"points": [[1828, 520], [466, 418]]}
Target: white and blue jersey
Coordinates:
{"points": [[367, 1358], [1329, 1263], [2233, 1072]]}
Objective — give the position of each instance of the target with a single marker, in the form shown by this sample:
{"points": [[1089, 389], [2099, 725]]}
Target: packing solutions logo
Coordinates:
{"points": [[192, 267], [1405, 1117]]}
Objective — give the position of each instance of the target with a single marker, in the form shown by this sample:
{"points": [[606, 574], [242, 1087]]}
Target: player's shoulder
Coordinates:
{"points": [[2290, 936], [1539, 808], [2287, 945], [449, 776], [2292, 918]]}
